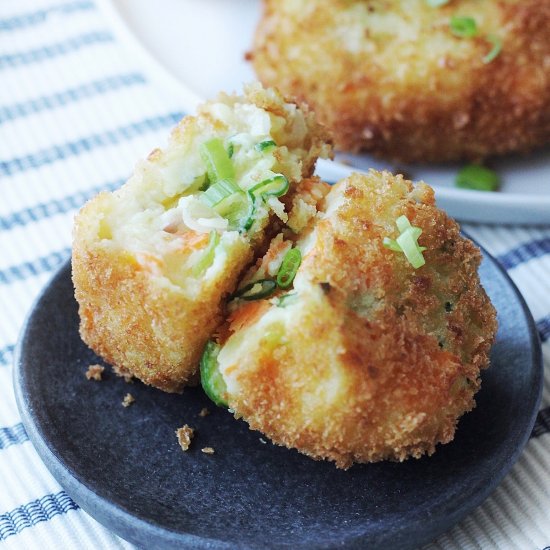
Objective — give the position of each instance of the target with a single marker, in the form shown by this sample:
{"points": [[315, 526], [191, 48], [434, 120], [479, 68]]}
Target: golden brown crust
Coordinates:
{"points": [[133, 320], [121, 373], [406, 88], [375, 360]]}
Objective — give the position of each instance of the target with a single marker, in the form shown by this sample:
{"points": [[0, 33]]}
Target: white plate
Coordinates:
{"points": [[202, 43]]}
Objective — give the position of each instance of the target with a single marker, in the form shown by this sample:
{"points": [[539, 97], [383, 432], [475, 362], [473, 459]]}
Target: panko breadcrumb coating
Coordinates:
{"points": [[391, 78], [185, 434], [128, 400], [364, 358], [95, 372], [208, 450], [153, 261]]}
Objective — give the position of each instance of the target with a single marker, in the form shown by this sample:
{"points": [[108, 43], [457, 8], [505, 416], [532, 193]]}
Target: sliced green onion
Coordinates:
{"points": [[218, 191], [410, 248], [218, 164], [230, 150], [251, 213], [276, 186], [238, 217], [207, 258], [436, 3], [233, 206], [495, 51], [478, 178], [402, 223], [391, 244], [265, 146], [256, 290], [463, 27], [289, 267], [287, 299], [407, 242], [211, 379], [273, 187]]}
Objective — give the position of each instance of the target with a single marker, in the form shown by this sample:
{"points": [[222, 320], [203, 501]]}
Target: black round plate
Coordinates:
{"points": [[125, 468]]}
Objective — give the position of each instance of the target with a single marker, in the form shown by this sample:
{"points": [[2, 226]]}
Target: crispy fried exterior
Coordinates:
{"points": [[390, 78], [134, 312], [132, 318], [373, 359]]}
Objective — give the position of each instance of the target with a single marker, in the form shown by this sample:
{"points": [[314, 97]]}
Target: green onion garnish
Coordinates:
{"points": [[218, 191], [289, 267], [407, 242], [256, 290], [464, 27], [251, 214], [436, 3], [409, 245], [478, 178], [391, 244], [237, 213], [272, 187], [207, 258], [403, 223], [233, 206], [495, 51], [265, 146], [211, 379], [218, 164], [230, 150]]}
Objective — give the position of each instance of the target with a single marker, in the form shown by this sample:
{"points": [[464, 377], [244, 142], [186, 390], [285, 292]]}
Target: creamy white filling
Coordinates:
{"points": [[277, 328], [199, 217], [152, 214]]}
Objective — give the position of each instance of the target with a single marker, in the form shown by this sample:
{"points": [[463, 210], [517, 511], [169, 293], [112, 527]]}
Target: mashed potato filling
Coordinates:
{"points": [[187, 209], [272, 334]]}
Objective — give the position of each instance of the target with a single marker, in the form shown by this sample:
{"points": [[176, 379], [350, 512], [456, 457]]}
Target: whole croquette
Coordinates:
{"points": [[363, 357], [392, 78], [153, 261]]}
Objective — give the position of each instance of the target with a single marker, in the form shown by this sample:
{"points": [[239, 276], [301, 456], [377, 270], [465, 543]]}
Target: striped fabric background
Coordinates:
{"points": [[79, 104]]}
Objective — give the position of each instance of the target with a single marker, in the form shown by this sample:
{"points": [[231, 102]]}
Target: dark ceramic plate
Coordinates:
{"points": [[125, 468]]}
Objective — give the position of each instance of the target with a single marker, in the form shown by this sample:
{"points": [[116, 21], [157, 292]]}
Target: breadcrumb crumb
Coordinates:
{"points": [[128, 400], [185, 435], [121, 373], [204, 412], [208, 450], [94, 372]]}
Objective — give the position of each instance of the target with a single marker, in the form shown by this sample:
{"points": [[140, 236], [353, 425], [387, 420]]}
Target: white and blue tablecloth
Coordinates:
{"points": [[79, 103]]}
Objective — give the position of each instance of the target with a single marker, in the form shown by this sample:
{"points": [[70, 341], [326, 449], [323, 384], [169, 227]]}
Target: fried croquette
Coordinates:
{"points": [[362, 357], [394, 79], [153, 261]]}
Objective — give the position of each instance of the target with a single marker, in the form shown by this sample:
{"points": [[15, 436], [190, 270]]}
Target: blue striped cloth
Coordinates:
{"points": [[79, 104]]}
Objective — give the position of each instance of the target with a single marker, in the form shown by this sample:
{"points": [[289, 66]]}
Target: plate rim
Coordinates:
{"points": [[101, 508], [61, 472]]}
